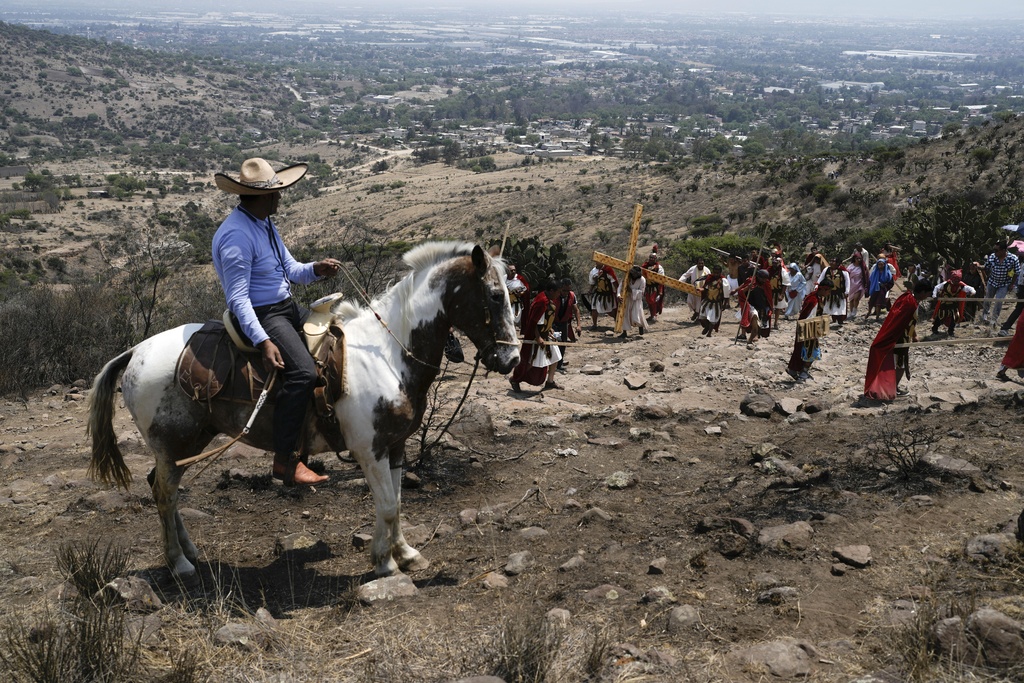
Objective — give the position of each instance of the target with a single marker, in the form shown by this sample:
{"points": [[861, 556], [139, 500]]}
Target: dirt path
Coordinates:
{"points": [[533, 472]]}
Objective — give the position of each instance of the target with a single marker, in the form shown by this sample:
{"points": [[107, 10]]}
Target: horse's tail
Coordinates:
{"points": [[107, 463]]}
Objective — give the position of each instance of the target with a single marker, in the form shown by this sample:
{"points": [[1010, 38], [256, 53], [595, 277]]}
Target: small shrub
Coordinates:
{"points": [[525, 649], [88, 567], [89, 646], [901, 448]]}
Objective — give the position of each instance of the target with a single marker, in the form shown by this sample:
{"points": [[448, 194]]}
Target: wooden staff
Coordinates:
{"points": [[953, 342]]}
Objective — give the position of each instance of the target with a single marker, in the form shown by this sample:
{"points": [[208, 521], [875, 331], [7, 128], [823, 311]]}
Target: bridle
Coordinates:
{"points": [[409, 354], [488, 323]]}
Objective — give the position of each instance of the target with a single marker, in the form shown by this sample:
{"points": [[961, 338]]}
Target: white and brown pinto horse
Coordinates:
{"points": [[451, 284]]}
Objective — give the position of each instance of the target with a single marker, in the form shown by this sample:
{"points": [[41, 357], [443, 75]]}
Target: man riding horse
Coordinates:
{"points": [[256, 270]]}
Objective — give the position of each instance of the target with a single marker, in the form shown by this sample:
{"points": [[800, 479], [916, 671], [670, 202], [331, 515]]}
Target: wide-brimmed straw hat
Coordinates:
{"points": [[259, 177]]}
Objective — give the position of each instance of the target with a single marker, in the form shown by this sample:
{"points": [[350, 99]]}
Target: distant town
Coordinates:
{"points": [[656, 87]]}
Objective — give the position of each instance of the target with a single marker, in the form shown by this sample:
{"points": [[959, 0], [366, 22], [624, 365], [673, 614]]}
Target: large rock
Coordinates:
{"points": [[388, 589], [783, 658], [595, 515], [988, 547], [858, 556], [947, 464], [788, 406], [683, 618], [533, 533], [248, 636], [519, 562], [950, 639], [796, 536], [133, 592], [474, 421], [620, 480], [757, 405], [1000, 638], [296, 542], [989, 637], [635, 382], [107, 501]]}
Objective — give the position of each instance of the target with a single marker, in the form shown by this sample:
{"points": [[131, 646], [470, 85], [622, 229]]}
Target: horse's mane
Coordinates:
{"points": [[420, 259]]}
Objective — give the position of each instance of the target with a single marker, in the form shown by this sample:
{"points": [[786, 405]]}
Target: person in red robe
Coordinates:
{"points": [[947, 312], [887, 365], [654, 294], [805, 352], [1014, 357], [568, 313], [539, 361], [892, 255], [756, 307]]}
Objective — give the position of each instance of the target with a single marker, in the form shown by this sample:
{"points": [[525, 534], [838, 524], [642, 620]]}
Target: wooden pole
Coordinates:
{"points": [[657, 278], [634, 236], [954, 342], [504, 237]]}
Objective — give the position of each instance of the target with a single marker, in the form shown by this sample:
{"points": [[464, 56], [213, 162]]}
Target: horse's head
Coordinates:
{"points": [[476, 301]]}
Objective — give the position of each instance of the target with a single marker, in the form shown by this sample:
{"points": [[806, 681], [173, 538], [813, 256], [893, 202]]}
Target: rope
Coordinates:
{"points": [[215, 453], [366, 300]]}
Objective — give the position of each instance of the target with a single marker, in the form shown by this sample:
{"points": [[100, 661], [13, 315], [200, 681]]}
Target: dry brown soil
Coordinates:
{"points": [[519, 471]]}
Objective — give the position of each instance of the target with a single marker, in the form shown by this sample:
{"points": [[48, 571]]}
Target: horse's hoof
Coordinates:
{"points": [[416, 563], [184, 571], [190, 552], [389, 568]]}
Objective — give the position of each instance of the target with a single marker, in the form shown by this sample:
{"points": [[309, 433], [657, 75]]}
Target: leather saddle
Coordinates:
{"points": [[219, 364]]}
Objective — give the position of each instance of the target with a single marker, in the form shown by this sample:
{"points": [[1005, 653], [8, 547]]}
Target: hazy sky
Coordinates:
{"points": [[921, 9]]}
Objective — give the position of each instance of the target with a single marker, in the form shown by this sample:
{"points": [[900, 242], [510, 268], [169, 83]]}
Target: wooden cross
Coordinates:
{"points": [[624, 266]]}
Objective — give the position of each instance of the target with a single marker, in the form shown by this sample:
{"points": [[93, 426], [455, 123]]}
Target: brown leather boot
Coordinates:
{"points": [[291, 470]]}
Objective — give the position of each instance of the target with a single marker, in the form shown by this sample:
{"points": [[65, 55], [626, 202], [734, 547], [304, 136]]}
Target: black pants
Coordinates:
{"points": [[563, 328], [282, 322], [1016, 309]]}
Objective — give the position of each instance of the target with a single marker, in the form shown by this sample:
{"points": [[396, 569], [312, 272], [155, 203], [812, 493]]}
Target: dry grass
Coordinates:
{"points": [[89, 567]]}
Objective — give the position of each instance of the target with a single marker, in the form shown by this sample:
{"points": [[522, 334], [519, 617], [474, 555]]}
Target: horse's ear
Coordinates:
{"points": [[494, 251], [479, 258]]}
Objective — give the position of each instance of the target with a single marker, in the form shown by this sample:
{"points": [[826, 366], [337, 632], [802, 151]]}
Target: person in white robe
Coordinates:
{"points": [[634, 303], [695, 276], [795, 291]]}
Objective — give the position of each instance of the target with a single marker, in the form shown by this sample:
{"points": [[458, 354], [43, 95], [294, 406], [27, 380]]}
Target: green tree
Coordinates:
{"points": [[956, 229]]}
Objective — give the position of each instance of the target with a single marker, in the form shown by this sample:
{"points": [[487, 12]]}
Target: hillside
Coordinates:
{"points": [[588, 201], [78, 111]]}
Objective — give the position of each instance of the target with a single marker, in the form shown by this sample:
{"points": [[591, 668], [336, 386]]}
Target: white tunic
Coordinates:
{"points": [[694, 276], [835, 305], [602, 306], [635, 306]]}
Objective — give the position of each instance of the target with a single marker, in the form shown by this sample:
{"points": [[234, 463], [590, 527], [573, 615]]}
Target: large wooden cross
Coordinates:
{"points": [[624, 266]]}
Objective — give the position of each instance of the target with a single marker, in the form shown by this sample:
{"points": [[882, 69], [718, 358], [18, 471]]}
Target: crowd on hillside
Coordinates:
{"points": [[760, 289]]}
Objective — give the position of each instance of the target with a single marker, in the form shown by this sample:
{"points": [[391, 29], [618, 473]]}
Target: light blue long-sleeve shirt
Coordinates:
{"points": [[254, 268]]}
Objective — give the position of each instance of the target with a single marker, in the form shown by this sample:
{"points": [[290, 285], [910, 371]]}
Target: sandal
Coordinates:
{"points": [[551, 385]]}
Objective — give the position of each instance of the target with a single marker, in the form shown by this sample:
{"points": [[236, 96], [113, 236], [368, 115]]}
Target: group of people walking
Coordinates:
{"points": [[763, 289]]}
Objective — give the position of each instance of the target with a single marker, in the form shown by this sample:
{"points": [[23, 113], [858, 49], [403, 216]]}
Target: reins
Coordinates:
{"points": [[365, 296], [215, 453]]}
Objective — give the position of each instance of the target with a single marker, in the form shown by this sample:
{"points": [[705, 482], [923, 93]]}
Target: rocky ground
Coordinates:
{"points": [[661, 531]]}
